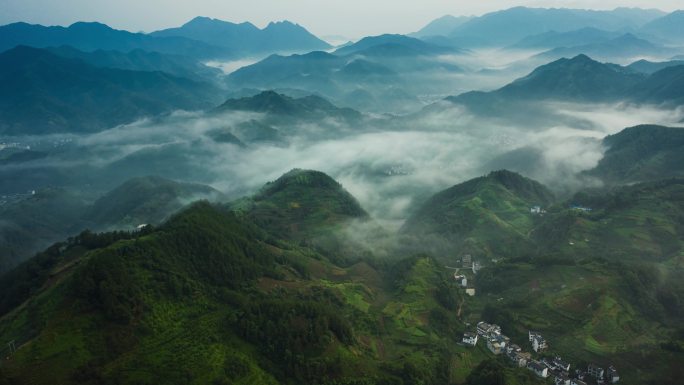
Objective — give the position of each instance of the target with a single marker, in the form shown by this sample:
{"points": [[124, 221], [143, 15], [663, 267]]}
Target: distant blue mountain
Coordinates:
{"points": [[140, 60], [442, 26], [579, 78], [44, 93], [582, 79], [664, 87], [247, 39], [626, 46], [504, 28], [553, 39], [380, 73], [649, 67], [669, 27], [394, 45], [96, 36]]}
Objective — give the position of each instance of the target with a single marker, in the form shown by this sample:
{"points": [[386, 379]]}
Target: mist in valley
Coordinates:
{"points": [[389, 163]]}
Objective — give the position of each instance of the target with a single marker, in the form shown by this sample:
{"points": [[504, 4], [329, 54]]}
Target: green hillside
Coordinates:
{"points": [[639, 222], [36, 221], [642, 153], [243, 294], [145, 200], [591, 310], [207, 298], [488, 215], [301, 203]]}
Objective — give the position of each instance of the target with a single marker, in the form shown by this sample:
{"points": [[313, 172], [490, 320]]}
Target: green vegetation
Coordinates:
{"points": [[642, 153], [256, 292], [207, 297], [301, 204], [488, 215], [145, 200], [639, 222]]}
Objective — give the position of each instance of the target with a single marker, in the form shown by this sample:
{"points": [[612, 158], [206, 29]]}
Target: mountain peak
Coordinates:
{"points": [[282, 23], [90, 25], [301, 177], [304, 202], [200, 20], [582, 58]]}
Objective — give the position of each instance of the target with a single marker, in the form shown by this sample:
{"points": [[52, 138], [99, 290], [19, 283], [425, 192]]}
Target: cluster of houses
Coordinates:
{"points": [[556, 368], [537, 210]]}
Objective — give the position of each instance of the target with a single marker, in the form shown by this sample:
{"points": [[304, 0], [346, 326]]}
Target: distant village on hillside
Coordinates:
{"points": [[556, 368]]}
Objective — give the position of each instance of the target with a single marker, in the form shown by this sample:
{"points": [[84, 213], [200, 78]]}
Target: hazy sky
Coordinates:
{"points": [[351, 18]]}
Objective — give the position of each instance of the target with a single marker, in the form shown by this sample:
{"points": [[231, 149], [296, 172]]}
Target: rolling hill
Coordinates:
{"points": [[145, 200], [233, 300], [302, 203], [34, 223], [31, 224], [488, 215], [45, 93], [209, 296], [639, 223], [139, 60], [642, 153]]}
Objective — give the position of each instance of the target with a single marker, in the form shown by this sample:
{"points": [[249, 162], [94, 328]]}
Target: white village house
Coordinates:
{"points": [[470, 338], [538, 342], [538, 368]]}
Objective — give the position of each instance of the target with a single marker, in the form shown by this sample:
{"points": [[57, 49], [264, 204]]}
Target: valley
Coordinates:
{"points": [[486, 200]]}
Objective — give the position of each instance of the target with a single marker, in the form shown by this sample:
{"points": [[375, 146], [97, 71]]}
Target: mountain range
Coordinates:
{"points": [[552, 39], [507, 27], [201, 38], [442, 26], [46, 93], [140, 60], [245, 39], [624, 47], [96, 36], [582, 79], [212, 280], [151, 233], [376, 73], [668, 27]]}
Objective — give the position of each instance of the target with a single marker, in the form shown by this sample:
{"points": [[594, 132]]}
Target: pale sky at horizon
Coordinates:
{"points": [[349, 18]]}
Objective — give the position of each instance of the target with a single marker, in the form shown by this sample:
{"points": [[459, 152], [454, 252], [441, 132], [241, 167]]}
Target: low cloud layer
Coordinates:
{"points": [[390, 165]]}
